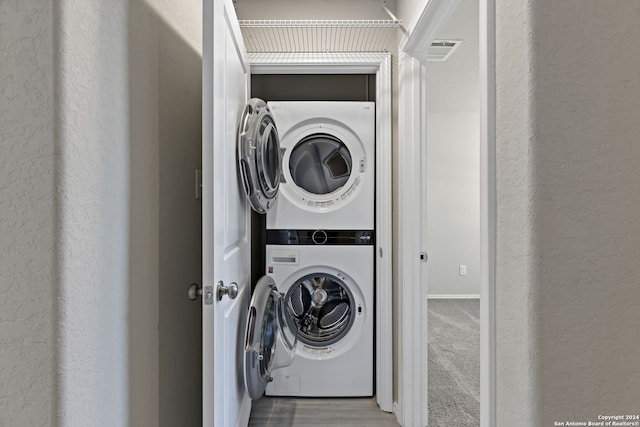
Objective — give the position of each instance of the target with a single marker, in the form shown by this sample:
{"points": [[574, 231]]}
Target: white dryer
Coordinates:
{"points": [[328, 165], [309, 165]]}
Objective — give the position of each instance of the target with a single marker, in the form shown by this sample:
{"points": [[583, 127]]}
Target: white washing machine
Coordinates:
{"points": [[324, 299], [309, 165]]}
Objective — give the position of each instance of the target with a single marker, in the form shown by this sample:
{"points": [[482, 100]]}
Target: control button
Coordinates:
{"points": [[319, 237]]}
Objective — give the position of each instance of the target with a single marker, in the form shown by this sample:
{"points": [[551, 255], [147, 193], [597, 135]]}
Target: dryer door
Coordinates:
{"points": [[320, 164], [270, 337], [258, 146]]}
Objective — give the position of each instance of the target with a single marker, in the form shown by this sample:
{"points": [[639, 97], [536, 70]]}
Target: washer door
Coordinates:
{"points": [[323, 308], [270, 337], [259, 162]]}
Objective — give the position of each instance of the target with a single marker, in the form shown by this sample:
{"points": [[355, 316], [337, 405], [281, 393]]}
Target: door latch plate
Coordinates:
{"points": [[208, 295]]}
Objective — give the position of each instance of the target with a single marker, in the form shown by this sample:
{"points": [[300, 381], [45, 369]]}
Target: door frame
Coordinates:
{"points": [[380, 65], [413, 272]]}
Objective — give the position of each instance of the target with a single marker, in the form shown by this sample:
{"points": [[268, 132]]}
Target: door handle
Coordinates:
{"points": [[194, 291], [231, 291]]}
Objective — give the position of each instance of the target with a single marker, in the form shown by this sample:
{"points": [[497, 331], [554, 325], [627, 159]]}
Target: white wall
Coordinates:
{"points": [[453, 203], [453, 159], [568, 201], [27, 213]]}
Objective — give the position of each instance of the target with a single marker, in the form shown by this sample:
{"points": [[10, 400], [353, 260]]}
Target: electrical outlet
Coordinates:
{"points": [[462, 269]]}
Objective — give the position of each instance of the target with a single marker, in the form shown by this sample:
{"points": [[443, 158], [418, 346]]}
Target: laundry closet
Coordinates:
{"points": [[300, 210], [316, 237]]}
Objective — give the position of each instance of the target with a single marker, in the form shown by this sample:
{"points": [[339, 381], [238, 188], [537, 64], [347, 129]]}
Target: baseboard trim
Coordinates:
{"points": [[453, 296], [396, 411]]}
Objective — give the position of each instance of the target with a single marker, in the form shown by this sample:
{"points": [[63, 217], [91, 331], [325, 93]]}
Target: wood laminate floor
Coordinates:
{"points": [[302, 412]]}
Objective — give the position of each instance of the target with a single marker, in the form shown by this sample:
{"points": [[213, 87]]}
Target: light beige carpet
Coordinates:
{"points": [[454, 363]]}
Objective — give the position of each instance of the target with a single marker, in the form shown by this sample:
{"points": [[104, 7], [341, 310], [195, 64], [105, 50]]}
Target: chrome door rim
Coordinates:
{"points": [[258, 149], [270, 337]]}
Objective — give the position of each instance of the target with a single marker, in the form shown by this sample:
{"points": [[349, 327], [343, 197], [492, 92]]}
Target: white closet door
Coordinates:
{"points": [[226, 231]]}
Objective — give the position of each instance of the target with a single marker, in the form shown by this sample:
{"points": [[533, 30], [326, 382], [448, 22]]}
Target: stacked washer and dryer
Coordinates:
{"points": [[317, 340]]}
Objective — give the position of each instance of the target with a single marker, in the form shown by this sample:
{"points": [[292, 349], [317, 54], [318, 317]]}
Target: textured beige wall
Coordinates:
{"points": [[516, 273], [93, 171], [568, 202], [587, 173], [144, 271], [130, 125], [164, 66], [27, 206], [100, 230], [166, 92]]}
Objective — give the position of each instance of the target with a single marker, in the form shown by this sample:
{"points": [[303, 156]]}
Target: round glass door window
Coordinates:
{"points": [[323, 308], [320, 164]]}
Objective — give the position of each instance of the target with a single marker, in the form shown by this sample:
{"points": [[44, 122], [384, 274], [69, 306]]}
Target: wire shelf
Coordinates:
{"points": [[312, 36]]}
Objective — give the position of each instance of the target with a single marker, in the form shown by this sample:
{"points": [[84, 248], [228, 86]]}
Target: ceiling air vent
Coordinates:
{"points": [[441, 50]]}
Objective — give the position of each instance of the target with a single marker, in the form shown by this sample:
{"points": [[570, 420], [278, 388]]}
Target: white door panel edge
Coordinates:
{"points": [[384, 242], [412, 390], [430, 14], [380, 65], [225, 217], [487, 28]]}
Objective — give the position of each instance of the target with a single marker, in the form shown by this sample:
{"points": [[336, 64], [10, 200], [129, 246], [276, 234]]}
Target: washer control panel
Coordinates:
{"points": [[320, 237]]}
